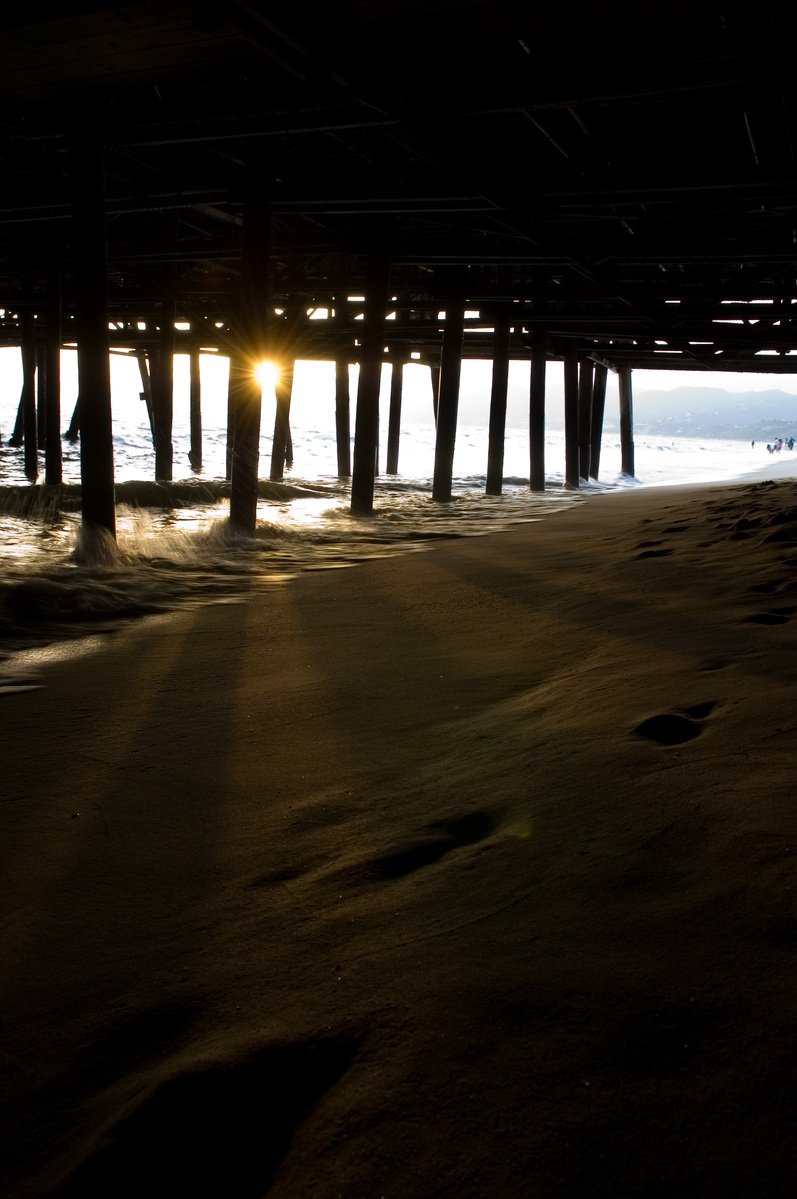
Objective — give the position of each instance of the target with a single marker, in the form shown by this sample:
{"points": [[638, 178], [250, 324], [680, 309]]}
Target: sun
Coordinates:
{"points": [[267, 374]]}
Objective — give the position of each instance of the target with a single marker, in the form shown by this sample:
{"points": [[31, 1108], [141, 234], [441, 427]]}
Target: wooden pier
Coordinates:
{"points": [[486, 183]]}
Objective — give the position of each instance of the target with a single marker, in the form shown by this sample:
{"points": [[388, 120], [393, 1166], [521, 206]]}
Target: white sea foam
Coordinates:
{"points": [[174, 544]]}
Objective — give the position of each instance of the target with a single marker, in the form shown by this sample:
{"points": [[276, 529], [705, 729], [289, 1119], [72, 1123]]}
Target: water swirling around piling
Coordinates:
{"points": [[175, 548]]}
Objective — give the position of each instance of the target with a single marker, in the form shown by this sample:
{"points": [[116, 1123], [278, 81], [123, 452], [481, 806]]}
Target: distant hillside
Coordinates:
{"points": [[712, 412]]}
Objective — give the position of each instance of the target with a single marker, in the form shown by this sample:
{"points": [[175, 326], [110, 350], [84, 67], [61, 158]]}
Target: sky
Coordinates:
{"points": [[314, 388]]}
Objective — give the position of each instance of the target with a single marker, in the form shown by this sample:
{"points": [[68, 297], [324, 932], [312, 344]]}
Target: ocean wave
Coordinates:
{"points": [[175, 547]]}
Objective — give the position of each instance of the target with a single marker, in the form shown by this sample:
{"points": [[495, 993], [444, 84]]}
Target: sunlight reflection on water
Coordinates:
{"points": [[175, 549], [184, 556]]}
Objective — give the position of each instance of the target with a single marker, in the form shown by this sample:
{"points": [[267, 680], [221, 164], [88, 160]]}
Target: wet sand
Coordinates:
{"points": [[466, 873]]}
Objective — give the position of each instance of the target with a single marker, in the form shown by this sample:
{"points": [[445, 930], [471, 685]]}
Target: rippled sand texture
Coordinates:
{"points": [[464, 873]]}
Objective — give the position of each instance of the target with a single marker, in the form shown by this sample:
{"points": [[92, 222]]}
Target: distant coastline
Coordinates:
{"points": [[712, 412]]}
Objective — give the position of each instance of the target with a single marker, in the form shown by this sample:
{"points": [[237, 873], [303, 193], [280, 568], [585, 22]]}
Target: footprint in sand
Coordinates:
{"points": [[773, 617], [242, 1113], [444, 837], [768, 588], [676, 727], [663, 553], [712, 664]]}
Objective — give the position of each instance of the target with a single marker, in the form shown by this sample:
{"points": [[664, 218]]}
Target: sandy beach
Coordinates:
{"points": [[467, 873]]}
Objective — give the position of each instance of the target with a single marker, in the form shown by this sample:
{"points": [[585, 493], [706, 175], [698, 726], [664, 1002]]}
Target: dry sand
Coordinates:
{"points": [[467, 873]]}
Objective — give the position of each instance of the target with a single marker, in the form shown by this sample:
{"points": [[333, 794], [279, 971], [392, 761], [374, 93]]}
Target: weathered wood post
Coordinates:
{"points": [[598, 405], [366, 425], [282, 444], [448, 398], [41, 393], [585, 373], [394, 416], [18, 432], [434, 379], [498, 397], [162, 383], [53, 456], [342, 416], [232, 390], [73, 429], [146, 389], [626, 422], [246, 389], [86, 171], [537, 412], [571, 420], [195, 405], [28, 397]]}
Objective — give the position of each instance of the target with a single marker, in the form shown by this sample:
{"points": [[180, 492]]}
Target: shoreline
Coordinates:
{"points": [[62, 609]]}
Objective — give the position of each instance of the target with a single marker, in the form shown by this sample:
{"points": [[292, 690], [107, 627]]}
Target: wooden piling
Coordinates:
{"points": [[434, 379], [18, 432], [394, 416], [571, 420], [53, 456], [448, 398], [41, 394], [246, 389], [28, 397], [232, 390], [91, 307], [585, 378], [537, 413], [73, 429], [163, 394], [282, 444], [626, 422], [498, 398], [598, 406], [366, 426], [146, 390], [343, 416], [195, 407]]}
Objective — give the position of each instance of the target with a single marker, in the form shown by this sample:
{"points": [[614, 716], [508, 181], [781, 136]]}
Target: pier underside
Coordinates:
{"points": [[623, 176], [615, 186]]}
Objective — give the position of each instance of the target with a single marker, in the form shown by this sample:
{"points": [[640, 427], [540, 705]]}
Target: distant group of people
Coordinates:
{"points": [[774, 447]]}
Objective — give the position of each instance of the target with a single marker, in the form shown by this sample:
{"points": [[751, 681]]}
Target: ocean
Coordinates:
{"points": [[173, 544]]}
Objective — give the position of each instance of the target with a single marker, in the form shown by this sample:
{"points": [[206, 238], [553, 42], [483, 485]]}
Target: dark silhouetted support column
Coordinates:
{"points": [[53, 457], [448, 399], [571, 420], [598, 405], [73, 430], [162, 380], [18, 432], [41, 394], [146, 389], [434, 373], [585, 370], [28, 397], [537, 413], [195, 408], [343, 416], [282, 445], [234, 384], [91, 304], [246, 388], [498, 394], [626, 422], [289, 442], [394, 417], [366, 426]]}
